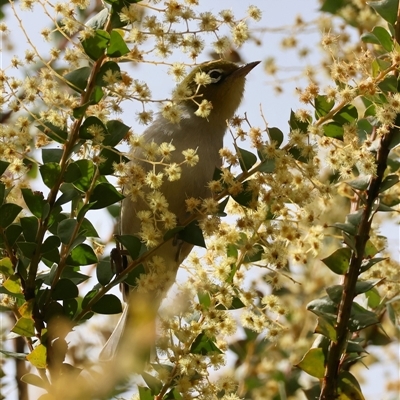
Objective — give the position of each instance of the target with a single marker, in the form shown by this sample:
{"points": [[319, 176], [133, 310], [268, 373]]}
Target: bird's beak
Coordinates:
{"points": [[245, 69]]}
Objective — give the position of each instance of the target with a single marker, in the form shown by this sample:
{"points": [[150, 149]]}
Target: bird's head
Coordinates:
{"points": [[219, 82]]}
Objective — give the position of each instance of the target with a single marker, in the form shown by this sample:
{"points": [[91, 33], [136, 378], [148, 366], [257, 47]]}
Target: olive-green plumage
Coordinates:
{"points": [[225, 92]]}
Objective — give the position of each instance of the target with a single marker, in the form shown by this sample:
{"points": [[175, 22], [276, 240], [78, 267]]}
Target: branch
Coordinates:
{"points": [[336, 349]]}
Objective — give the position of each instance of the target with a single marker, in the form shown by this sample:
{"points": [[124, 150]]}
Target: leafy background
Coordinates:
{"points": [[291, 71]]}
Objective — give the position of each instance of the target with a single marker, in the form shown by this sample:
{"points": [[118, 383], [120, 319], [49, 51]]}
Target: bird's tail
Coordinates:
{"points": [[110, 347]]}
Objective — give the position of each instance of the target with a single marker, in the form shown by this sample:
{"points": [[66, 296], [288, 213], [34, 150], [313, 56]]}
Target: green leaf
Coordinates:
{"points": [[104, 194], [313, 363], [73, 173], [365, 128], [35, 202], [30, 226], [348, 387], [96, 95], [70, 307], [99, 20], [82, 254], [255, 255], [69, 192], [354, 218], [297, 154], [79, 112], [361, 318], [348, 114], [64, 289], [360, 183], [204, 345], [50, 173], [6, 267], [367, 264], [51, 155], [326, 328], [246, 159], [333, 130], [88, 229], [65, 229], [153, 383], [110, 156], [369, 37], [172, 233], [131, 278], [388, 182], [295, 123], [28, 248], [117, 47], [13, 284], [96, 45], [13, 354], [116, 131], [204, 299], [78, 78], [89, 296], [392, 313], [53, 132], [8, 213], [3, 166], [2, 193], [51, 257], [90, 123], [104, 273], [322, 106], [276, 135], [131, 243], [335, 293], [380, 36], [217, 175], [221, 207], [74, 276], [53, 310], [323, 307], [393, 164], [82, 212], [12, 233], [349, 228], [387, 9], [245, 197], [338, 261], [366, 286], [108, 304], [193, 234], [370, 250], [145, 393], [349, 240], [235, 305], [267, 165], [332, 6], [353, 346], [24, 327], [38, 357], [379, 65], [87, 171], [389, 84]]}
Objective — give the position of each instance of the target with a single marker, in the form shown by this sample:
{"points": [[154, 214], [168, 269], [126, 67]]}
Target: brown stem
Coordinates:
{"points": [[21, 369], [337, 349]]}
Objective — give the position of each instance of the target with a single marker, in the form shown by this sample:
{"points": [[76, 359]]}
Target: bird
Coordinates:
{"points": [[224, 90]]}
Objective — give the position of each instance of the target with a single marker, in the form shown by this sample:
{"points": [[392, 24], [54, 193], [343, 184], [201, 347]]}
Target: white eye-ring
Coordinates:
{"points": [[215, 75]]}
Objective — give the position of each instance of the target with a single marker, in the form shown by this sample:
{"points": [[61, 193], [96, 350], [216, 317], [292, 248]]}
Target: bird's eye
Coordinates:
{"points": [[215, 75]]}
